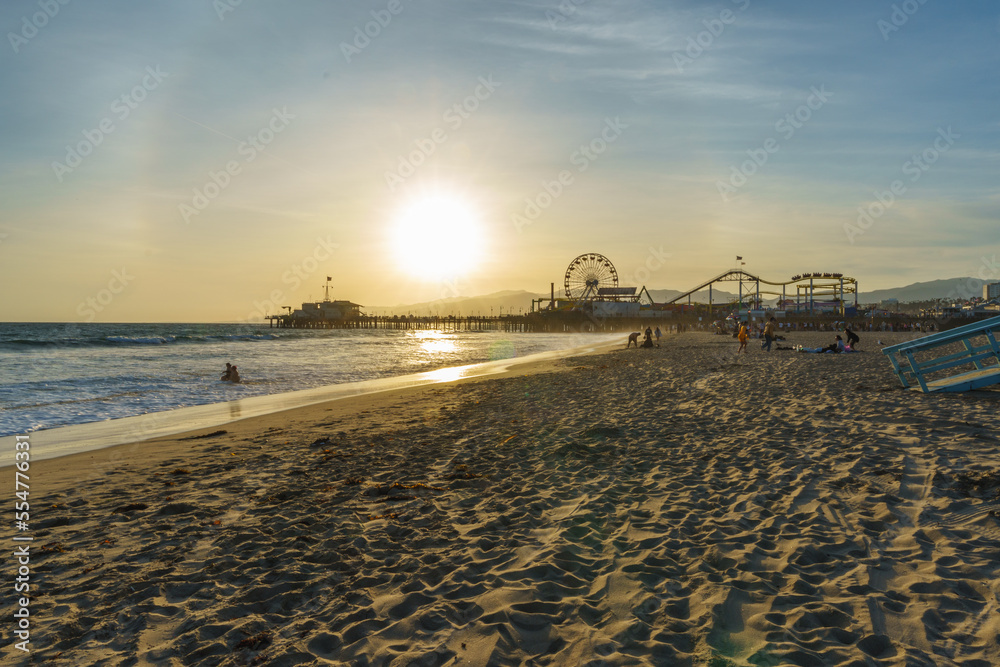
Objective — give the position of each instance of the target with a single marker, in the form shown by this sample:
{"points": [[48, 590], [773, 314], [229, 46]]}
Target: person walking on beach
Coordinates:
{"points": [[769, 334], [657, 334], [743, 337]]}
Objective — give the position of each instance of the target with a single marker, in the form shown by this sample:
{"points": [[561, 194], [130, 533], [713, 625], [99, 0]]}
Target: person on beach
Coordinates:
{"points": [[633, 338], [231, 374], [744, 338], [836, 347], [768, 334], [657, 334], [852, 338], [647, 339]]}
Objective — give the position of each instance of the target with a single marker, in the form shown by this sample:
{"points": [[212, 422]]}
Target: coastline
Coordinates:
{"points": [[680, 505], [81, 438], [110, 372]]}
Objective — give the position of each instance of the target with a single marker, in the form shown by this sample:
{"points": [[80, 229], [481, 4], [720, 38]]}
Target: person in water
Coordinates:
{"points": [[230, 374]]}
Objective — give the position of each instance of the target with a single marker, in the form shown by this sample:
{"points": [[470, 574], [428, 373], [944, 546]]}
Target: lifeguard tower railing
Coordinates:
{"points": [[972, 350]]}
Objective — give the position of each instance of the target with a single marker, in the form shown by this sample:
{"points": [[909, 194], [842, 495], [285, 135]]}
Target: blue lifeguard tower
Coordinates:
{"points": [[971, 349]]}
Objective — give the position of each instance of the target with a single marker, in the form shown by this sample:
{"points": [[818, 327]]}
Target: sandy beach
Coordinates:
{"points": [[672, 506]]}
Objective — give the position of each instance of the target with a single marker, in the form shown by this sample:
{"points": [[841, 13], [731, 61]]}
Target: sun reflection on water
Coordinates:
{"points": [[435, 343]]}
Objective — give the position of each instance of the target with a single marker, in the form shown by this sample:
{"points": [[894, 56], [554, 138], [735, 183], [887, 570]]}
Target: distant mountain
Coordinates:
{"points": [[951, 288]]}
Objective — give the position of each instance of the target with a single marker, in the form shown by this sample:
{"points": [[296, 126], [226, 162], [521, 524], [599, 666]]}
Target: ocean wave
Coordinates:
{"points": [[140, 340], [126, 341], [250, 337]]}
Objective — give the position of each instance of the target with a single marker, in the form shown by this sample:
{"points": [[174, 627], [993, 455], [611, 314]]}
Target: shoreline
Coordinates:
{"points": [[59, 471], [681, 505], [92, 436]]}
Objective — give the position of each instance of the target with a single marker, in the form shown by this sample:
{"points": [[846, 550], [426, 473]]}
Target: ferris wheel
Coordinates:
{"points": [[588, 273]]}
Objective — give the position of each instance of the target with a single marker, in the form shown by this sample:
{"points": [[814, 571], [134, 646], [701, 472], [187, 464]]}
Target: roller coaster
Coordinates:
{"points": [[814, 292], [591, 283]]}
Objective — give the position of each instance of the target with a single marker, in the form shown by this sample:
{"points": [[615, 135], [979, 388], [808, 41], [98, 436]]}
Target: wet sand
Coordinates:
{"points": [[673, 506]]}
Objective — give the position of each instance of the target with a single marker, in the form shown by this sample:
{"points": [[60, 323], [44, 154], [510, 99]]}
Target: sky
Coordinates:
{"points": [[214, 161]]}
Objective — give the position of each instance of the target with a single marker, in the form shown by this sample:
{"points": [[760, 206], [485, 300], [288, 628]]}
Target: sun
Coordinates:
{"points": [[438, 236]]}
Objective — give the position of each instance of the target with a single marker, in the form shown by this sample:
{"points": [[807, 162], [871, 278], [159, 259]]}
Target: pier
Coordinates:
{"points": [[530, 322], [510, 323], [595, 302]]}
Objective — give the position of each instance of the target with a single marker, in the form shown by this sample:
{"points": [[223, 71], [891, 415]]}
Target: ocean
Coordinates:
{"points": [[55, 375]]}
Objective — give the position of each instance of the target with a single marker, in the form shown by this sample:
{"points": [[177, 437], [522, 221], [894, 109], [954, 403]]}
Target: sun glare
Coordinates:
{"points": [[438, 237]]}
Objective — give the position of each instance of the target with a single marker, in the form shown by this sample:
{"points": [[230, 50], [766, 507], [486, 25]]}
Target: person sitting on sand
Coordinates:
{"points": [[744, 337], [647, 340], [633, 338]]}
